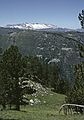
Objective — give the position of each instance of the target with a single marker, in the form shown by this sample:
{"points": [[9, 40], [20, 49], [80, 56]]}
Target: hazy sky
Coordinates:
{"points": [[63, 13]]}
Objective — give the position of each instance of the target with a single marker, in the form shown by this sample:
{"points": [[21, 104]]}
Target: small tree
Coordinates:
{"points": [[76, 94], [54, 76]]}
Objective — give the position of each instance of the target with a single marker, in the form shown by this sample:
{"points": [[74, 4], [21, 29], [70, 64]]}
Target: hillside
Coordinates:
{"points": [[48, 108], [61, 48]]}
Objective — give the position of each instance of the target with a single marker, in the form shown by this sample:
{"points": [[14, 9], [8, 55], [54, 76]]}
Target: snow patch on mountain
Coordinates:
{"points": [[32, 26]]}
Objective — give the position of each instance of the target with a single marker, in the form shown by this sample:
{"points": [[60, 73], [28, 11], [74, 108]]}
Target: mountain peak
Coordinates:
{"points": [[32, 26]]}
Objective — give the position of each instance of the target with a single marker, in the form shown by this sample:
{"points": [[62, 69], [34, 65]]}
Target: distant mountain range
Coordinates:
{"points": [[32, 26], [42, 27]]}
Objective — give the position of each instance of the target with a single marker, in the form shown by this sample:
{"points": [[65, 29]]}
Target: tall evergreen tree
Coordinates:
{"points": [[54, 76], [35, 68], [76, 95], [11, 70]]}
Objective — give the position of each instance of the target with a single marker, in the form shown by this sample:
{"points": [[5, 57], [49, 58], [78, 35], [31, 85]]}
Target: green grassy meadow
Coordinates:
{"points": [[48, 110]]}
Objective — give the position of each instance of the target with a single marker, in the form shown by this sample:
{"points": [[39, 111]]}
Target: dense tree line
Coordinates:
{"points": [[14, 69]]}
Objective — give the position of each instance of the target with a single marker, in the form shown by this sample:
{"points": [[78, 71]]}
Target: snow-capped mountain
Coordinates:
{"points": [[41, 26], [32, 26]]}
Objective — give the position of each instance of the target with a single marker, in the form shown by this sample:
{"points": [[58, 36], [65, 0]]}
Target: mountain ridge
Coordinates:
{"points": [[41, 26], [31, 26]]}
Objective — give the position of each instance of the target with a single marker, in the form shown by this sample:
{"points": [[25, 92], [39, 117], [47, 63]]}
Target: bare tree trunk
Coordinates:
{"points": [[18, 107], [4, 106]]}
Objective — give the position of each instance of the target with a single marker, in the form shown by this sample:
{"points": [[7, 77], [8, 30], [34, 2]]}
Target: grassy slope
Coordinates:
{"points": [[47, 111]]}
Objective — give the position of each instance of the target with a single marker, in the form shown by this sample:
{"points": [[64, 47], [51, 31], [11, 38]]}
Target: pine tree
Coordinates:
{"points": [[54, 76], [76, 94], [35, 69], [81, 18], [11, 70]]}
